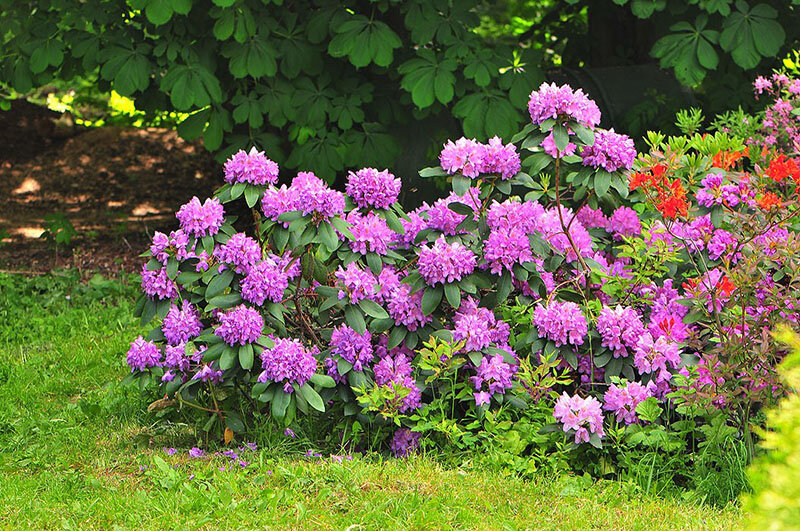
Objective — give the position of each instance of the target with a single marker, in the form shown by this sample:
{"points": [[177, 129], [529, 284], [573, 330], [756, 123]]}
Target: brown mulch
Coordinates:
{"points": [[115, 185]]}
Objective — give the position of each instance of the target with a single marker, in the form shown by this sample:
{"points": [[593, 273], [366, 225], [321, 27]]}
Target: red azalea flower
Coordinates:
{"points": [[769, 201], [781, 168]]}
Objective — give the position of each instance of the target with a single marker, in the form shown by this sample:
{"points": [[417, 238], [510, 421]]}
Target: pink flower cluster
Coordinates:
{"points": [[622, 401], [240, 325], [308, 194], [479, 327], [288, 362], [582, 415], [620, 329], [472, 159], [561, 103], [351, 346], [610, 151], [253, 167], [369, 187], [561, 322], [445, 262], [199, 219]]}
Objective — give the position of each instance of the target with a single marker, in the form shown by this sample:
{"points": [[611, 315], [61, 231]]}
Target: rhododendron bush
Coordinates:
{"points": [[619, 293]]}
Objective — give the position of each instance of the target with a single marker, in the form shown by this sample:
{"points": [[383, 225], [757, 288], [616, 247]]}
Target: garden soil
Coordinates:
{"points": [[115, 185]]}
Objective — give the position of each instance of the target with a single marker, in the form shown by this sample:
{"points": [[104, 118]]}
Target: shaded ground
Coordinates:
{"points": [[115, 185]]}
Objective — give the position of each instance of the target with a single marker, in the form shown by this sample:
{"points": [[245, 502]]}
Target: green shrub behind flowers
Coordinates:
{"points": [[775, 502], [568, 304]]}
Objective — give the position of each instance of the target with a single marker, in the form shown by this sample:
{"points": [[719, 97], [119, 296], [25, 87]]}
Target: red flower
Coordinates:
{"points": [[781, 168], [769, 201], [725, 159]]}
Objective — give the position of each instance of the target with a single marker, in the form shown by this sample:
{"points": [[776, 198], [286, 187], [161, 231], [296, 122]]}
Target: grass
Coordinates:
{"points": [[79, 451]]}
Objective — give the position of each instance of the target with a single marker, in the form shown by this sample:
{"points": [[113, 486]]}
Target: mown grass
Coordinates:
{"points": [[79, 451]]}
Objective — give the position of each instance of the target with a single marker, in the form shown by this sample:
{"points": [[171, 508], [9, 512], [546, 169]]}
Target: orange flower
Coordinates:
{"points": [[769, 201], [725, 160], [781, 168]]}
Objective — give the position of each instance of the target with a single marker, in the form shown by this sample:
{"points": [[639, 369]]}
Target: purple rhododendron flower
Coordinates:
{"points": [[201, 219], [351, 346], [610, 151], [253, 167], [561, 322], [464, 156], [182, 324], [240, 325], [369, 187], [391, 368], [157, 284], [591, 218], [240, 250], [624, 222], [441, 218], [404, 442], [315, 198], [562, 103], [176, 358], [406, 308], [620, 329], [478, 326], [656, 357], [583, 415], [277, 201], [622, 401], [288, 362], [356, 284], [207, 374], [549, 224], [499, 158], [549, 147], [714, 192], [143, 354], [445, 262], [370, 233], [495, 372], [266, 280]]}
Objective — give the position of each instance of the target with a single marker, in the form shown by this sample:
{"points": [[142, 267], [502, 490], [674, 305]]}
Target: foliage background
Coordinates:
{"points": [[324, 85]]}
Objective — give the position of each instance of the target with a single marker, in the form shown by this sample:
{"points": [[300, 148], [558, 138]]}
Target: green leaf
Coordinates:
{"points": [[280, 402], [435, 171], [560, 137], [228, 300], [246, 356], [461, 184], [453, 294], [373, 309], [328, 236], [159, 11], [323, 380], [396, 336], [228, 358], [234, 422], [602, 181], [375, 264], [585, 134], [750, 34], [363, 41], [355, 319], [431, 299], [252, 195], [312, 397], [219, 284]]}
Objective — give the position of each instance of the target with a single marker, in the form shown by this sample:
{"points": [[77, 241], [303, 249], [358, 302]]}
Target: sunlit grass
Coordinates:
{"points": [[78, 451]]}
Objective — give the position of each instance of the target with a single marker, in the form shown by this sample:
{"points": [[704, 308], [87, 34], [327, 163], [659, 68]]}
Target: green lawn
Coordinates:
{"points": [[78, 451]]}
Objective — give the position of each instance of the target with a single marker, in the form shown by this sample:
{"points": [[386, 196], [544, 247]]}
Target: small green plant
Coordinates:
{"points": [[689, 121], [58, 230]]}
